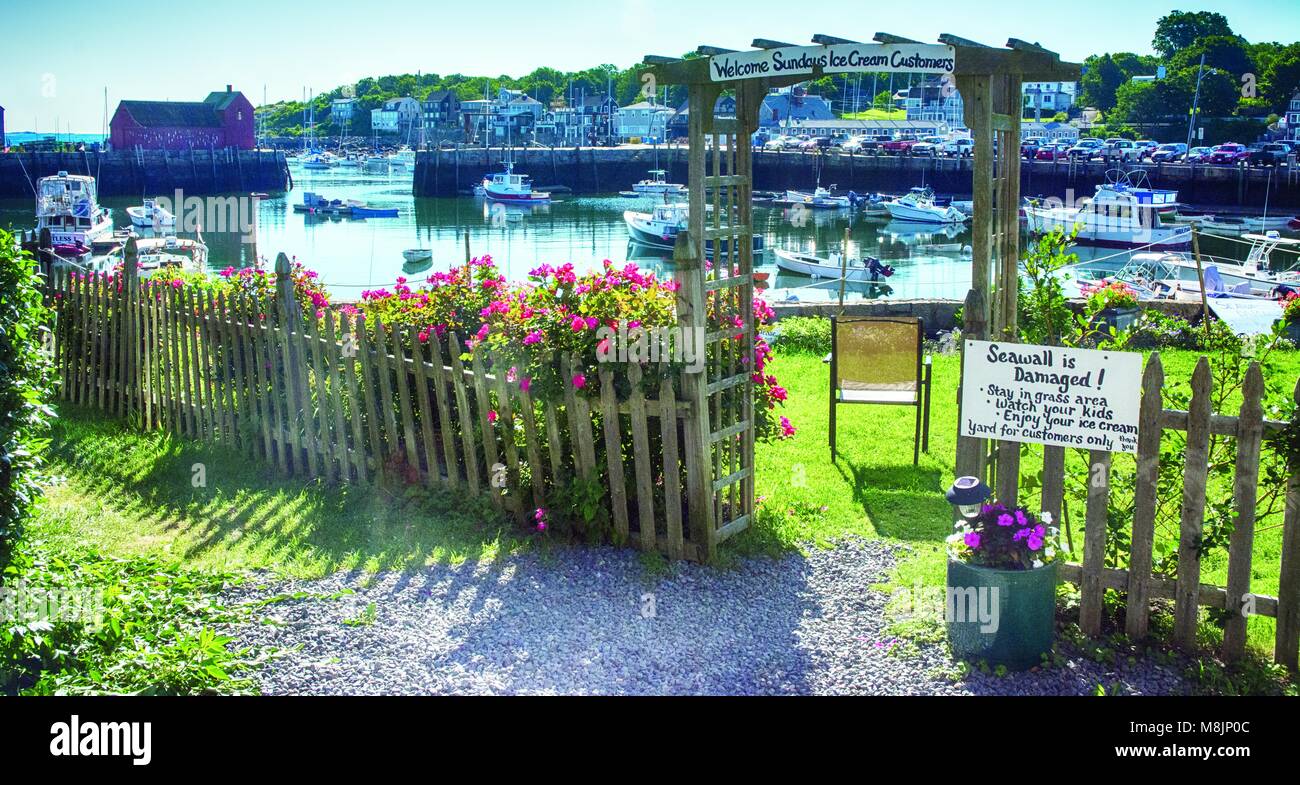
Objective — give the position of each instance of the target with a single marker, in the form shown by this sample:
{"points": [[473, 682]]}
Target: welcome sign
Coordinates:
{"points": [[1084, 398], [833, 59]]}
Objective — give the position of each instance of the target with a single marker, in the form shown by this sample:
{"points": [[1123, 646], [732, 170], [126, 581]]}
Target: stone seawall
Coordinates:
{"points": [[150, 173], [606, 170]]}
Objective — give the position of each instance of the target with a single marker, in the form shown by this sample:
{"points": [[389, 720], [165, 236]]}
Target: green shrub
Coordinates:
{"points": [[810, 334], [26, 384]]}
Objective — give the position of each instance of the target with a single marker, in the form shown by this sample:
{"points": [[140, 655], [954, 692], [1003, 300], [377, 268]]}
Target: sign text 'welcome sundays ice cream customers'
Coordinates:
{"points": [[1084, 398], [833, 59]]}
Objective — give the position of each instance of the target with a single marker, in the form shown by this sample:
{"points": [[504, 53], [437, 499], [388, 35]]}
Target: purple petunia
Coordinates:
{"points": [[972, 539], [1005, 520]]}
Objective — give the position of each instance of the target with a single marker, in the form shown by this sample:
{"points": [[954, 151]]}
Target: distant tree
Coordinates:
{"points": [[883, 100], [1281, 79], [1139, 102], [1227, 53], [1180, 29], [1101, 79]]}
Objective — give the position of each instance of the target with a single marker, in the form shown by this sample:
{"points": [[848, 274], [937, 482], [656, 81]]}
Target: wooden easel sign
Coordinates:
{"points": [[1086, 398]]}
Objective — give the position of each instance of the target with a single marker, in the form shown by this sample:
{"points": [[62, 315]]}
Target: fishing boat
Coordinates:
{"points": [[819, 199], [416, 255], [920, 206], [657, 183], [315, 204], [68, 205], [151, 215], [1120, 215], [506, 186], [865, 270], [659, 227]]}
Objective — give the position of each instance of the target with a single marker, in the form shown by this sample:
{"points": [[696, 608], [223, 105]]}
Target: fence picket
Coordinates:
{"points": [[1144, 499], [672, 474], [446, 427], [422, 400], [1187, 599], [404, 399], [529, 412], [332, 466], [1094, 543], [506, 422], [1250, 431], [369, 399], [354, 404], [1287, 639], [491, 456], [464, 417], [645, 497], [613, 450]]}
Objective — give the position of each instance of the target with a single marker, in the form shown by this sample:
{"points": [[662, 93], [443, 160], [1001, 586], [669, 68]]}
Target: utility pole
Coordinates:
{"points": [[1196, 99]]}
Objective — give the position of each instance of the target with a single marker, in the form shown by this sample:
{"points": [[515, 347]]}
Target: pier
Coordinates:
{"points": [[146, 172], [606, 170]]}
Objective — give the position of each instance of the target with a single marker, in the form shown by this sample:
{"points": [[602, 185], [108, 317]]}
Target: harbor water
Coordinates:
{"points": [[353, 255]]}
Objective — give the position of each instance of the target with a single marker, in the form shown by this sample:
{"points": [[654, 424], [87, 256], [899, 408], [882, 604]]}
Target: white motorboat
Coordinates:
{"points": [[819, 199], [920, 206], [506, 186], [151, 215], [68, 205], [414, 255], [317, 162], [865, 270], [1120, 215], [657, 183], [659, 227]]}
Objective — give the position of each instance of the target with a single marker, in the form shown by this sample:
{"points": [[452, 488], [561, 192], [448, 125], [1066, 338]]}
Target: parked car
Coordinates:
{"points": [[1145, 148], [856, 144], [1198, 155], [775, 143], [961, 147], [928, 145], [795, 142], [898, 146], [1121, 149], [808, 146], [1087, 149], [1053, 151], [1229, 153], [1030, 146], [1268, 154], [1168, 152]]}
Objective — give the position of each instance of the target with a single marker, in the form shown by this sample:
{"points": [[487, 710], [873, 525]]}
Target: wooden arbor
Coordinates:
{"points": [[989, 80]]}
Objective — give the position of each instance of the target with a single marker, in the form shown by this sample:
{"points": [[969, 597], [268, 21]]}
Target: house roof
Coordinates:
{"points": [[220, 99], [438, 95], [173, 114]]}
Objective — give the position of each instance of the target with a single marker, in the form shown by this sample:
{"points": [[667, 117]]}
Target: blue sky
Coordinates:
{"points": [[50, 69]]}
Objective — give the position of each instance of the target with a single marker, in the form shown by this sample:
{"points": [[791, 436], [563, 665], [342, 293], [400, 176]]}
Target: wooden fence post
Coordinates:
{"points": [[128, 302], [692, 318]]}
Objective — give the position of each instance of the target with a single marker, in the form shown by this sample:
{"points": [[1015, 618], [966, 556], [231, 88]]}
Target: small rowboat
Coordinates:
{"points": [[866, 270], [413, 255]]}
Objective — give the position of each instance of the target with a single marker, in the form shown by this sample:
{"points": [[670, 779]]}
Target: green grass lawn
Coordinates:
{"points": [[877, 114], [131, 493]]}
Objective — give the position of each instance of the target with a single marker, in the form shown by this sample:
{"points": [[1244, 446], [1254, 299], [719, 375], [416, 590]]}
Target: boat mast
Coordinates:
{"points": [[1196, 99]]}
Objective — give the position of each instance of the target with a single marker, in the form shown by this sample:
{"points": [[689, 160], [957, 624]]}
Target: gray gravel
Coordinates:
{"points": [[594, 621]]}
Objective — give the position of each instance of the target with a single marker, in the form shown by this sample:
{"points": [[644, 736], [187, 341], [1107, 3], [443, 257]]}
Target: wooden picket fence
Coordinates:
{"points": [[344, 400], [1187, 592]]}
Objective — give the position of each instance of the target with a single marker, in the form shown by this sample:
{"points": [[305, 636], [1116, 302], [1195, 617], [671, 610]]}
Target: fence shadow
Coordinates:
{"points": [[214, 501]]}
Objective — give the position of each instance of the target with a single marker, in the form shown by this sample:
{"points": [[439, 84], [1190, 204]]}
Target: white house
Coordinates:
{"points": [[1048, 97], [644, 119], [396, 115], [1293, 117], [1051, 131]]}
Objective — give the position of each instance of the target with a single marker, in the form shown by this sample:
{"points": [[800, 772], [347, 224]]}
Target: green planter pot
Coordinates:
{"points": [[1292, 332], [1006, 617], [1119, 318]]}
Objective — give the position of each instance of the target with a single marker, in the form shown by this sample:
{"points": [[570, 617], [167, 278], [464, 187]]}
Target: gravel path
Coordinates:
{"points": [[593, 621]]}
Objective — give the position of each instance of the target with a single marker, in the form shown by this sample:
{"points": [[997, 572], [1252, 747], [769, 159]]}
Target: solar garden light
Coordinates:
{"points": [[968, 494]]}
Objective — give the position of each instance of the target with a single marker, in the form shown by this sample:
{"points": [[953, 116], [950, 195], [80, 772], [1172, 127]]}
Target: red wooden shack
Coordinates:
{"points": [[223, 119]]}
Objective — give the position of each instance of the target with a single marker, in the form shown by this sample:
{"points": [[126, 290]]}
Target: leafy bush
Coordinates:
{"points": [[26, 385], [140, 626], [811, 334]]}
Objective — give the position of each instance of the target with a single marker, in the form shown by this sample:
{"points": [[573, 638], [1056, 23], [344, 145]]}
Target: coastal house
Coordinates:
{"points": [[1047, 97], [514, 114], [1051, 131], [223, 119], [1292, 117], [781, 109], [396, 116], [935, 101], [343, 109], [441, 110], [644, 120]]}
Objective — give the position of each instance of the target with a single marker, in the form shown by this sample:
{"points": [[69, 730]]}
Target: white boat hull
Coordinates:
{"points": [[1109, 233], [814, 267], [902, 211]]}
